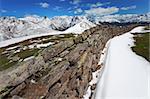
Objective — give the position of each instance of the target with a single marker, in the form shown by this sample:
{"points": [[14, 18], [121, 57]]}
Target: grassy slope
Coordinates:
{"points": [[142, 45], [7, 59]]}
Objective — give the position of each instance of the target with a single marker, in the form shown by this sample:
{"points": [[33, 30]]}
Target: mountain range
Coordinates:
{"points": [[11, 27]]}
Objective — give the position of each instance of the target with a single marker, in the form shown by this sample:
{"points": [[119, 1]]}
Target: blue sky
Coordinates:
{"points": [[50, 8]]}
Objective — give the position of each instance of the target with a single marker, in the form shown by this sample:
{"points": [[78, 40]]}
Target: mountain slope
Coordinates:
{"points": [[37, 30], [62, 23], [80, 27], [11, 27]]}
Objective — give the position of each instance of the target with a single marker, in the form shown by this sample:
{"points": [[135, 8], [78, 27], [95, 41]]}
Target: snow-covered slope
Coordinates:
{"points": [[80, 27], [23, 38], [64, 22], [126, 75], [36, 29], [11, 27], [139, 29]]}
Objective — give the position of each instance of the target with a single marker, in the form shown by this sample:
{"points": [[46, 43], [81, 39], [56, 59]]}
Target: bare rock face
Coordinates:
{"points": [[56, 49], [61, 71], [18, 89]]}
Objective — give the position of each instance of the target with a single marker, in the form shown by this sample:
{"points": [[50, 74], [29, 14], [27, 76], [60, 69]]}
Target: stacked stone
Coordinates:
{"points": [[61, 71]]}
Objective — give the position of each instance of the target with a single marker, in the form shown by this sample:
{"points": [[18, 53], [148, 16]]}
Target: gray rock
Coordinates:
{"points": [[17, 89], [76, 53], [51, 52], [16, 97], [78, 39], [64, 53], [84, 35], [55, 74]]}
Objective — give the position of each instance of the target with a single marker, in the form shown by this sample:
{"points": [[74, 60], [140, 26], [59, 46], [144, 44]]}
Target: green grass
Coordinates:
{"points": [[142, 45], [5, 62], [2, 50], [27, 53], [7, 65], [7, 59]]}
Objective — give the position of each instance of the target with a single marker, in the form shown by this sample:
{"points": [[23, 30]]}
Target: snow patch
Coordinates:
{"points": [[44, 45], [139, 29], [20, 39], [80, 27], [11, 48], [33, 81], [26, 59]]}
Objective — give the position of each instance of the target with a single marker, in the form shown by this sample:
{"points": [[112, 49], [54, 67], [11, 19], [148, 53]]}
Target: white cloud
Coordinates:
{"points": [[75, 2], [101, 11], [3, 11], [57, 8], [96, 5], [77, 11], [128, 8], [44, 5]]}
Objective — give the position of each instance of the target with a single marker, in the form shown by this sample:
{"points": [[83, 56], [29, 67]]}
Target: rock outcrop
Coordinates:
{"points": [[61, 71]]}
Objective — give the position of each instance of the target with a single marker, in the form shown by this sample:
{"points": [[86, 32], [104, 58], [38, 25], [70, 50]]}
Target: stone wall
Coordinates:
{"points": [[61, 71]]}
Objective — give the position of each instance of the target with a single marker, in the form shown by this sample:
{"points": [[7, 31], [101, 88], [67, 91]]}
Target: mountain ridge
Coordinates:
{"points": [[11, 27]]}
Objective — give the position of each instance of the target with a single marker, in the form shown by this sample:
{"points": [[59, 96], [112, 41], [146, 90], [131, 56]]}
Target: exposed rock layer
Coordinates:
{"points": [[62, 71]]}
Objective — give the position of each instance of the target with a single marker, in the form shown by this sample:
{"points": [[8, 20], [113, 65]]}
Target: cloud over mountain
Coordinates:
{"points": [[101, 11], [78, 11], [129, 7], [3, 11], [44, 5], [75, 2]]}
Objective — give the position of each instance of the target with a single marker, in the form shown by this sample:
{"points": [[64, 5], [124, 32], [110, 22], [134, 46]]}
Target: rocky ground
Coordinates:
{"points": [[59, 71], [12, 54]]}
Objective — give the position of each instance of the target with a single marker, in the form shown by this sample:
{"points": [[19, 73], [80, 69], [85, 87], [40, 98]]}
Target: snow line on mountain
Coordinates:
{"points": [[11, 27], [76, 29], [20, 39]]}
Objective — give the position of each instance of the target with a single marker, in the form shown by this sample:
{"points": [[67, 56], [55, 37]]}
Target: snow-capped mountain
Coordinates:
{"points": [[64, 22], [80, 27], [11, 27]]}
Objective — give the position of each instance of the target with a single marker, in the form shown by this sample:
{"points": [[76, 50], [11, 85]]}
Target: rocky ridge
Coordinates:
{"points": [[61, 71]]}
